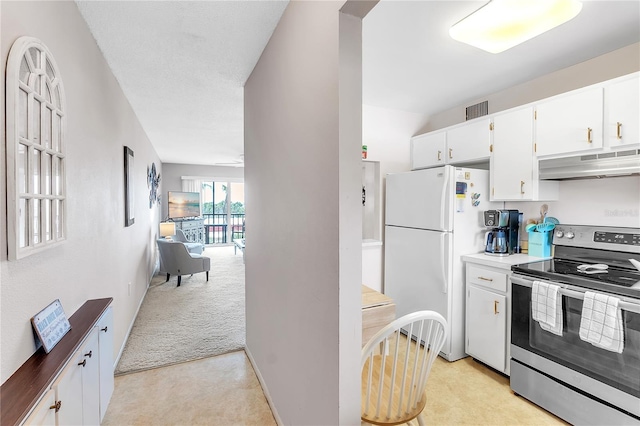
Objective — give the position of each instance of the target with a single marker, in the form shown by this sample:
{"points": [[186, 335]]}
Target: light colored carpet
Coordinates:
{"points": [[196, 320]]}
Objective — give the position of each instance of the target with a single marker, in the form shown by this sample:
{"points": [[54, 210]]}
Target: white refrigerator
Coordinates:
{"points": [[433, 217]]}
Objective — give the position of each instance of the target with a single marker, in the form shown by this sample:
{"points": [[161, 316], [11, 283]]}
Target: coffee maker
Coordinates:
{"points": [[504, 237]]}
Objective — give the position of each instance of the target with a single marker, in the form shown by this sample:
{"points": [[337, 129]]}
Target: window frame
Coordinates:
{"points": [[42, 185]]}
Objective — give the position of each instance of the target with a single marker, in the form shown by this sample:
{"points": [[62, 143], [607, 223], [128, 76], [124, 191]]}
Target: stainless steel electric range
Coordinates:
{"points": [[577, 381]]}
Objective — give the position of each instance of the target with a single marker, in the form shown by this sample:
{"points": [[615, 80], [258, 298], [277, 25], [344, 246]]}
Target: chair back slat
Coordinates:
{"points": [[413, 395], [370, 374], [395, 373], [380, 384]]}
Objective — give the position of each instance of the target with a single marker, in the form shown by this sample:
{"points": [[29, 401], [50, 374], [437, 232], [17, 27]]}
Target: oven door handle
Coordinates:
{"points": [[576, 294]]}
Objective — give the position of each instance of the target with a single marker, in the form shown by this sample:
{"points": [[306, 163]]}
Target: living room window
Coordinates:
{"points": [[35, 117], [223, 211]]}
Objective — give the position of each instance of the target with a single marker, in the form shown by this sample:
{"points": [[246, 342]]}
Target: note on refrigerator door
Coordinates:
{"points": [[461, 194]]}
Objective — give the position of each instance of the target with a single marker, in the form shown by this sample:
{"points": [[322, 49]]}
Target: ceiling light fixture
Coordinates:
{"points": [[501, 24]]}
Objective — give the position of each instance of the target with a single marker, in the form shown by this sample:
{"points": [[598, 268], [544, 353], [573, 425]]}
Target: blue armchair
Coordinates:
{"points": [[175, 259]]}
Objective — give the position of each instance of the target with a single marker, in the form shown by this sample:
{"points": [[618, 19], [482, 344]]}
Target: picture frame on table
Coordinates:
{"points": [[50, 325], [129, 216]]}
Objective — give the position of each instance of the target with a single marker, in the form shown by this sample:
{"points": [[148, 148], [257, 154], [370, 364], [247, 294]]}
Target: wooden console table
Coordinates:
{"points": [[378, 310], [24, 388]]}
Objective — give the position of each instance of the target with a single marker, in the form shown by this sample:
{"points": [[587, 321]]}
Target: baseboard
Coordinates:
{"points": [[126, 336], [265, 389]]}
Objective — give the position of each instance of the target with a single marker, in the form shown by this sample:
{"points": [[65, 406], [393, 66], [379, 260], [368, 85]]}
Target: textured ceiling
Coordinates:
{"points": [[183, 64]]}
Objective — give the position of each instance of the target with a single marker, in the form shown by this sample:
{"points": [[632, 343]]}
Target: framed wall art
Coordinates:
{"points": [[129, 216]]}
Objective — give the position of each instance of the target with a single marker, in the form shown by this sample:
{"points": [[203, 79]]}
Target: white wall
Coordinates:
{"points": [[602, 202], [302, 180], [605, 67], [172, 174], [100, 256], [386, 132]]}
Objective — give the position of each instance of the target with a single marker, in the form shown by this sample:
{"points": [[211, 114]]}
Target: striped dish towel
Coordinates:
{"points": [[546, 306], [601, 323]]}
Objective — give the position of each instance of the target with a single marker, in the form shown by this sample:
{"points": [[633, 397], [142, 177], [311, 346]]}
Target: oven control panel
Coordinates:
{"points": [[616, 238], [600, 237]]}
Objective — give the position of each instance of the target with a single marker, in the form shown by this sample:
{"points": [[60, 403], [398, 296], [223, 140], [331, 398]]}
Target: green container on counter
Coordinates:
{"points": [[540, 243]]}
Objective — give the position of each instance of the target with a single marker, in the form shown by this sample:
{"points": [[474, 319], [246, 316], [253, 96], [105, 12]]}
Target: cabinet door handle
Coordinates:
{"points": [[104, 329], [485, 279], [439, 155], [619, 130], [83, 363], [521, 187], [56, 406], [450, 152], [589, 130], [89, 354], [495, 307]]}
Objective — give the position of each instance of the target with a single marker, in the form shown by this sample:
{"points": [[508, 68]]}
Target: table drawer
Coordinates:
{"points": [[485, 277]]}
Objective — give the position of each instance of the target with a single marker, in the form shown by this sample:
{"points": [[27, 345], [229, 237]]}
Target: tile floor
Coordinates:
{"points": [[221, 390], [224, 390]]}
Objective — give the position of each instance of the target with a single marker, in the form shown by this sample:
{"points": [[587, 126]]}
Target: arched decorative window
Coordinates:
{"points": [[36, 190]]}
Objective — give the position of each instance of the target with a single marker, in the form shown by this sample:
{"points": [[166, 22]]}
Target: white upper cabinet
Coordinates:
{"points": [[428, 150], [622, 113], [570, 123], [462, 144], [513, 166], [512, 157], [469, 142]]}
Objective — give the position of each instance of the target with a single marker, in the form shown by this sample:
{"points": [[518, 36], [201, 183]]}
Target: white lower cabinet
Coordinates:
{"points": [[105, 344], [44, 413], [81, 392], [78, 386], [487, 316], [486, 333]]}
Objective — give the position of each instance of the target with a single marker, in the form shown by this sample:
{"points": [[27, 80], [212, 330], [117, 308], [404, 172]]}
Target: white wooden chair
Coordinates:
{"points": [[394, 390]]}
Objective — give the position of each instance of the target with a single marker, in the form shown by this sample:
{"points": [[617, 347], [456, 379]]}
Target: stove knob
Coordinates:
{"points": [[570, 235], [559, 233]]}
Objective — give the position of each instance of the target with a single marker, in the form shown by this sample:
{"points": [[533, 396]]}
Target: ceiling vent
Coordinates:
{"points": [[477, 110]]}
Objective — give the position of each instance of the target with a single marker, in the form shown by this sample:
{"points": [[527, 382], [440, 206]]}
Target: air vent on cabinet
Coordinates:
{"points": [[477, 110]]}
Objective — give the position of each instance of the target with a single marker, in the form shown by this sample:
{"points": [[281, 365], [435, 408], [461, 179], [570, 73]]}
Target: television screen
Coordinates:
{"points": [[184, 204]]}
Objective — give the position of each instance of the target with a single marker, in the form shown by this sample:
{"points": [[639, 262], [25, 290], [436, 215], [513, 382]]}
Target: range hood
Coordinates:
{"points": [[621, 163]]}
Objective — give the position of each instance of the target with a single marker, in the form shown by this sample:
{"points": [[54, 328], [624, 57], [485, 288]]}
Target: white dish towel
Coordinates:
{"points": [[601, 323], [546, 306]]}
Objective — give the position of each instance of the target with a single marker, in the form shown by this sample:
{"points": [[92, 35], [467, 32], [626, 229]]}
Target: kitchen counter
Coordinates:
{"points": [[504, 262]]}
